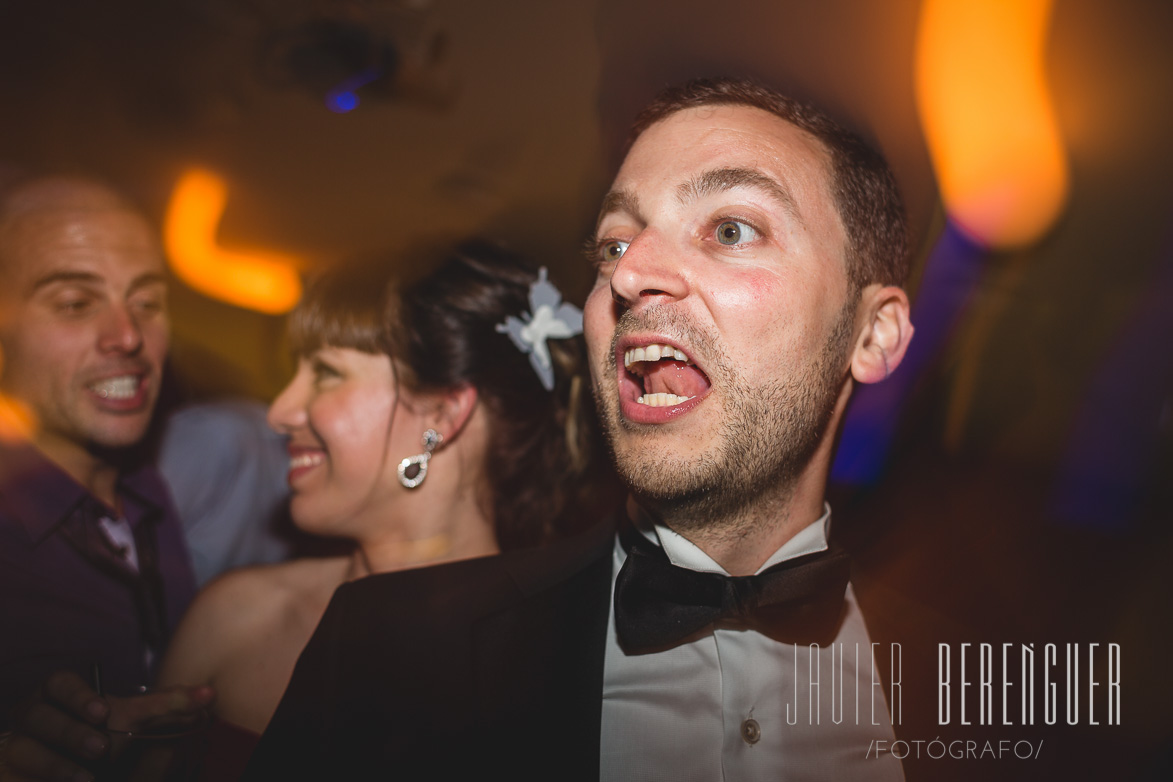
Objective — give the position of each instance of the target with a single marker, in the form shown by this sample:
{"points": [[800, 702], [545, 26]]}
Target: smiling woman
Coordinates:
{"points": [[392, 375]]}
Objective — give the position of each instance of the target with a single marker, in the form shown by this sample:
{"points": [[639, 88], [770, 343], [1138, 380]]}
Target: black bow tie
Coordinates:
{"points": [[658, 604]]}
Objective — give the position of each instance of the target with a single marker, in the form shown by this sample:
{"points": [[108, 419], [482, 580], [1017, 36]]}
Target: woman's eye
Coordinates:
{"points": [[611, 251], [323, 371], [732, 232]]}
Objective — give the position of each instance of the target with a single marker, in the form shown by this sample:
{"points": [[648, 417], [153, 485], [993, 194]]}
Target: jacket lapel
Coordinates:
{"points": [[539, 664]]}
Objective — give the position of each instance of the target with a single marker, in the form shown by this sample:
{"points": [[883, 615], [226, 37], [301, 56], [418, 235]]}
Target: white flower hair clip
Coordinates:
{"points": [[551, 318]]}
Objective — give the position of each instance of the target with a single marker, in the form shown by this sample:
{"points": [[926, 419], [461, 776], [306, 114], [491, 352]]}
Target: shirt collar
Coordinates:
{"points": [[36, 492], [40, 495], [684, 553]]}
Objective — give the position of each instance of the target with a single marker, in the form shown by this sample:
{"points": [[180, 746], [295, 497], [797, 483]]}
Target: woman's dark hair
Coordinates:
{"points": [[440, 331]]}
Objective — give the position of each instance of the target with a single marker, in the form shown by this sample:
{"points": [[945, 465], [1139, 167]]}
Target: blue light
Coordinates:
{"points": [[343, 97], [341, 102], [951, 276]]}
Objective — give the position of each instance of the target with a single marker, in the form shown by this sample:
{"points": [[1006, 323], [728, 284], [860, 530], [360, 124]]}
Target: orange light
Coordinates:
{"points": [[17, 420], [987, 116], [263, 281]]}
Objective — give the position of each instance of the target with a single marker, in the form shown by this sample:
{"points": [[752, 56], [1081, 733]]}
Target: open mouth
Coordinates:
{"points": [[121, 393], [302, 460], [116, 388], [663, 375]]}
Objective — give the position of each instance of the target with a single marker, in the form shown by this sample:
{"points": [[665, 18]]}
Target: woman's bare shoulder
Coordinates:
{"points": [[244, 605], [253, 594]]}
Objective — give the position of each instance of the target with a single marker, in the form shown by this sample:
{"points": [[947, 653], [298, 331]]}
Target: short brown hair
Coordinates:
{"points": [[862, 185]]}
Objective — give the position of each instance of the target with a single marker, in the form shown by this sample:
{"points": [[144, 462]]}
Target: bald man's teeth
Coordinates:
{"points": [[662, 400], [116, 387]]}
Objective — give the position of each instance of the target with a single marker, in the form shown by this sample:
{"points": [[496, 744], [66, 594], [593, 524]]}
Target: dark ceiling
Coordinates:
{"points": [[483, 120]]}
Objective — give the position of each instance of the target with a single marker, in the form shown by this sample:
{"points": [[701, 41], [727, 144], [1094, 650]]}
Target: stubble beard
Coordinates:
{"points": [[766, 438]]}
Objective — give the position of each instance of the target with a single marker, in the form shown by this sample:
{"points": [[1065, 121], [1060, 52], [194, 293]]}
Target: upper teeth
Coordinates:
{"points": [[651, 353], [116, 387], [305, 460]]}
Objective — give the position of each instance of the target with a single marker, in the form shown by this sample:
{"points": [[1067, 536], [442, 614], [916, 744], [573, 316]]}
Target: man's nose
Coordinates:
{"points": [[650, 271], [120, 331]]}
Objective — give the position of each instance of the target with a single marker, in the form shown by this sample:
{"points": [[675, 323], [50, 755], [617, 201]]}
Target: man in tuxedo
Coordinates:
{"points": [[94, 572], [749, 254]]}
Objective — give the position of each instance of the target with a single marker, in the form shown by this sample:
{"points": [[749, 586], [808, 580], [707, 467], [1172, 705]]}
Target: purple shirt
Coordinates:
{"points": [[62, 609]]}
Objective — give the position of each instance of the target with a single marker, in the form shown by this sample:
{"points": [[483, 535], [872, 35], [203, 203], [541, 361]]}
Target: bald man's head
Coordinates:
{"points": [[28, 203], [57, 192], [83, 319]]}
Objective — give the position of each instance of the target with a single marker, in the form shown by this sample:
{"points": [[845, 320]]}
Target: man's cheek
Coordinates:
{"points": [[158, 342]]}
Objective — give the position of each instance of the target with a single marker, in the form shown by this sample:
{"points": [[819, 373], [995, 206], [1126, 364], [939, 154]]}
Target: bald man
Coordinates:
{"points": [[94, 572]]}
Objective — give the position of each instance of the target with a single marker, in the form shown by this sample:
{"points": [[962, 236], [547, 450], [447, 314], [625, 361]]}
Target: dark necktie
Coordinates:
{"points": [[658, 604]]}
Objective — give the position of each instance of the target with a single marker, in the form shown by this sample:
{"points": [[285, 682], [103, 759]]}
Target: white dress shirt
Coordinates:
{"points": [[121, 537], [733, 704]]}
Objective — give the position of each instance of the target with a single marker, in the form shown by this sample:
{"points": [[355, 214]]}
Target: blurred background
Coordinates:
{"points": [[1016, 471]]}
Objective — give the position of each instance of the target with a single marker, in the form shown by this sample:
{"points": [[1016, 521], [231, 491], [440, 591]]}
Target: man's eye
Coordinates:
{"points": [[73, 306], [149, 305], [733, 232], [611, 251]]}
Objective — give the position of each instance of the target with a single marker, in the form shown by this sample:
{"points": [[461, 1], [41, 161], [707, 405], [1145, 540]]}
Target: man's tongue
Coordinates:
{"points": [[674, 377]]}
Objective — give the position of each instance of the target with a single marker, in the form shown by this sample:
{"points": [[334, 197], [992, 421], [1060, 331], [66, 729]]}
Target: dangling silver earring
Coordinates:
{"points": [[414, 469]]}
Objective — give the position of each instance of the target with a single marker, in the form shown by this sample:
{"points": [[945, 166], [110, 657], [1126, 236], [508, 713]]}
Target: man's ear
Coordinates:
{"points": [[885, 335], [452, 409]]}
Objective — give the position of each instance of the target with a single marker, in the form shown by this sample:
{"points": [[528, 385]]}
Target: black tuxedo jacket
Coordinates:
{"points": [[488, 668]]}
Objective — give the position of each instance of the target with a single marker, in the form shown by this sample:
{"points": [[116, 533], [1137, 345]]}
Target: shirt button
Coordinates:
{"points": [[751, 732]]}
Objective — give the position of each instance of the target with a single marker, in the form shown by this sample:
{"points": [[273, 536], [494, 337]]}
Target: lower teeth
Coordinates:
{"points": [[662, 400]]}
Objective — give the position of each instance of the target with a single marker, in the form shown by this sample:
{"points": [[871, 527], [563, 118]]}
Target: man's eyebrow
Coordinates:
{"points": [[52, 278], [720, 180], [618, 201], [89, 278], [148, 278]]}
